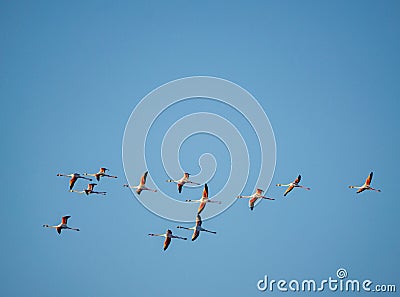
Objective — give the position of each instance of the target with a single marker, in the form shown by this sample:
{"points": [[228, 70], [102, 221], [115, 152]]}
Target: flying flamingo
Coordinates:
{"points": [[168, 236], [253, 198], [101, 173], [204, 200], [141, 187], [74, 177], [180, 182], [292, 185], [366, 185], [89, 190], [197, 228], [62, 225]]}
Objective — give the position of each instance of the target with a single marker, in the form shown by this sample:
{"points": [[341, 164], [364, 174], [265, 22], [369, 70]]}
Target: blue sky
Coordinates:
{"points": [[326, 74]]}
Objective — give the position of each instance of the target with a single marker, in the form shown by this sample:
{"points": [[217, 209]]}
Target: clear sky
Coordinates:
{"points": [[71, 72]]}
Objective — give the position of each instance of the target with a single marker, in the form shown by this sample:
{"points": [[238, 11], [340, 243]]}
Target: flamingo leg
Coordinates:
{"points": [[263, 197]]}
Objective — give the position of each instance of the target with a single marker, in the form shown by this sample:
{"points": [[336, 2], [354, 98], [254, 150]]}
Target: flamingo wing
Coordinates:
{"points": [[138, 191], [167, 240], [288, 190], [360, 190], [201, 207], [369, 178], [251, 203], [144, 177], [196, 234], [65, 219], [297, 180], [205, 191], [72, 182], [198, 220], [58, 230], [180, 188]]}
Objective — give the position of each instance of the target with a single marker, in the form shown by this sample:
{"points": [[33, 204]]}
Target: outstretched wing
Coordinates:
{"points": [[196, 234], [138, 191], [144, 177], [288, 190], [167, 240], [205, 191], [201, 207], [65, 219], [297, 180], [91, 187], [360, 190], [58, 230], [369, 178], [72, 182], [180, 188], [251, 203], [198, 220]]}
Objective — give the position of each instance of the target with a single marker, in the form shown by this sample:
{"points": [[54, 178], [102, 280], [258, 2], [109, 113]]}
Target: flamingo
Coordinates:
{"points": [[366, 185], [101, 173], [62, 225], [292, 185], [180, 182], [197, 228], [74, 177], [253, 198], [204, 200], [168, 236], [89, 190], [141, 187]]}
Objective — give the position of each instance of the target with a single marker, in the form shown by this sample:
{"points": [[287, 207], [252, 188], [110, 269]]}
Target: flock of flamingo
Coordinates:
{"points": [[197, 228], [89, 190]]}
